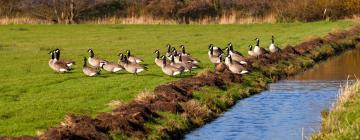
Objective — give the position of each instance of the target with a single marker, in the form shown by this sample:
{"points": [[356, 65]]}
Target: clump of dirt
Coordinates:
{"points": [[164, 106], [305, 47], [75, 127], [171, 93]]}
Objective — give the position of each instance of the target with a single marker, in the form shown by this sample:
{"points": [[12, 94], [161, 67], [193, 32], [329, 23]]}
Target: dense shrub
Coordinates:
{"points": [[182, 11]]}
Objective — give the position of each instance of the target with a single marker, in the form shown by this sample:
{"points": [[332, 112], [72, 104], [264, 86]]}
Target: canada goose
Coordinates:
{"points": [[214, 58], [168, 52], [51, 61], [170, 70], [235, 55], [134, 68], [183, 52], [94, 61], [186, 58], [259, 50], [216, 51], [251, 51], [89, 71], [111, 67], [234, 66], [158, 60], [176, 65], [188, 64], [69, 63], [56, 65], [133, 59], [121, 60], [273, 48]]}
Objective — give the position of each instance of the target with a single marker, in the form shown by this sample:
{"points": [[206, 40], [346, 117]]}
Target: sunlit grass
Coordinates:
{"points": [[33, 97]]}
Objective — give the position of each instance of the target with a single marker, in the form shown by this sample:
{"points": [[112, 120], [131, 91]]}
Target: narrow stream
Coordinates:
{"points": [[290, 109]]}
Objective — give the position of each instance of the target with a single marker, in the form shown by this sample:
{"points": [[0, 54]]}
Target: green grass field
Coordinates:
{"points": [[33, 97]]}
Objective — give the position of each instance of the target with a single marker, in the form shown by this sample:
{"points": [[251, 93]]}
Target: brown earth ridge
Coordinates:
{"points": [[177, 97]]}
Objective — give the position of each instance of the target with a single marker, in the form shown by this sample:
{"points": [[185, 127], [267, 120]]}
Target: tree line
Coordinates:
{"points": [[182, 11]]}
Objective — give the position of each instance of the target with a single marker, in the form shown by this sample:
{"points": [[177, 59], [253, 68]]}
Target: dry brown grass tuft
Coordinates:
{"points": [[346, 93], [196, 111], [145, 96], [225, 19], [115, 104], [22, 20]]}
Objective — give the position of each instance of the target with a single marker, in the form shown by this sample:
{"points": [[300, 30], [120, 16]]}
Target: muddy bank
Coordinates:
{"points": [[178, 98]]}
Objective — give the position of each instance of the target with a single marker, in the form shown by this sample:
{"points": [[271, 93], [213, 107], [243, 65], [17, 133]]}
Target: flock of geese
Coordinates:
{"points": [[172, 63]]}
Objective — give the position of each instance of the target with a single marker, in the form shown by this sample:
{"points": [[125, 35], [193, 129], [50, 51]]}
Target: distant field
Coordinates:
{"points": [[33, 97]]}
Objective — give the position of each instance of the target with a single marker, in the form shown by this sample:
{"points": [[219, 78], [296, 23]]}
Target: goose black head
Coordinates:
{"points": [[250, 47], [90, 50], [183, 49], [168, 48], [211, 46], [57, 50], [121, 55], [157, 52], [163, 60], [91, 53], [57, 53], [230, 45], [272, 39], [257, 41], [128, 53]]}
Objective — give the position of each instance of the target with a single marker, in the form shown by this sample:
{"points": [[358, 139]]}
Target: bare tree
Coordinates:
{"points": [[60, 11]]}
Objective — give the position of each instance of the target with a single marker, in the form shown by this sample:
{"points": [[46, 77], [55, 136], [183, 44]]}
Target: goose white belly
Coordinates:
{"points": [[251, 53], [94, 62], [158, 62], [272, 48]]}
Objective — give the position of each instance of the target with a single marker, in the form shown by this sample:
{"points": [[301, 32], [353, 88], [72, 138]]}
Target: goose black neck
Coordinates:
{"points": [[164, 62], [258, 42], [84, 62], [169, 49], [251, 47], [172, 59], [157, 55], [92, 54], [52, 55], [57, 55], [183, 49], [272, 40], [211, 51], [180, 58], [128, 53], [231, 47]]}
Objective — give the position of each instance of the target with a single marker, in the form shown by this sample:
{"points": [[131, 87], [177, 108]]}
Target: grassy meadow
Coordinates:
{"points": [[33, 97]]}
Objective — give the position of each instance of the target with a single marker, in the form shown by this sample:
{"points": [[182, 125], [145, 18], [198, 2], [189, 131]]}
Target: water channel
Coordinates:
{"points": [[289, 110]]}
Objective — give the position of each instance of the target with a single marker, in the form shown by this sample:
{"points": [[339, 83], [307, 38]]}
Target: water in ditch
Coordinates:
{"points": [[289, 109]]}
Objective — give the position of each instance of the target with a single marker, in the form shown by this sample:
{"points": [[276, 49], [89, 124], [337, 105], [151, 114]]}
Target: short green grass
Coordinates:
{"points": [[33, 97]]}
